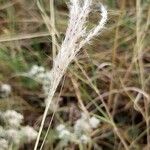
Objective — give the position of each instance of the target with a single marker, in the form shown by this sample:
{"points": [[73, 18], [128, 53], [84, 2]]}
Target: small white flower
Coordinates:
{"points": [[1, 129], [13, 136], [94, 122], [3, 144], [5, 90], [64, 134], [13, 118], [13, 114], [29, 133], [48, 76], [84, 116], [82, 125], [33, 71], [2, 132], [41, 76], [46, 91], [60, 127], [14, 122], [41, 69], [85, 139]]}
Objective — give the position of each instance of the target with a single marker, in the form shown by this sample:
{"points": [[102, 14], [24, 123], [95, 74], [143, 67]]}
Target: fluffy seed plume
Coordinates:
{"points": [[76, 37]]}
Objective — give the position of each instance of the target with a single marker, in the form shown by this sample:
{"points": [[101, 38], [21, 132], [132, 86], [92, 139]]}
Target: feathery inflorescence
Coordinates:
{"points": [[76, 37]]}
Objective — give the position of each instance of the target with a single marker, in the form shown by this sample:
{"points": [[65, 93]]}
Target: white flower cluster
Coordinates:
{"points": [[3, 144], [84, 126], [63, 132], [42, 75], [28, 133], [11, 131], [12, 118], [81, 129], [86, 123], [5, 90]]}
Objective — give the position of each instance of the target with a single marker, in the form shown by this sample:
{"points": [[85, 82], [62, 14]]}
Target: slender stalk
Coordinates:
{"points": [[52, 16], [76, 37], [43, 121]]}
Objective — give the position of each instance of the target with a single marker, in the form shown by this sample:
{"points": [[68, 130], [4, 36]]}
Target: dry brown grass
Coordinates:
{"points": [[114, 67]]}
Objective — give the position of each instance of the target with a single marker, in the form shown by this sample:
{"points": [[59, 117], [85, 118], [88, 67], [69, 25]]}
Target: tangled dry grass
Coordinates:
{"points": [[107, 83]]}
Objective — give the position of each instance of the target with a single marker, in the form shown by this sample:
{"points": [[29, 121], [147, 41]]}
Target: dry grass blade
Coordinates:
{"points": [[71, 45]]}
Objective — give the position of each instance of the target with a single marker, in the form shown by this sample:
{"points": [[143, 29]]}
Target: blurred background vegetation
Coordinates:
{"points": [[116, 65]]}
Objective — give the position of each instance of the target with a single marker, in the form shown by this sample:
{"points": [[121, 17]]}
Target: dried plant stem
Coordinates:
{"points": [[53, 26], [51, 118], [49, 100], [42, 123], [76, 88], [106, 108], [76, 37], [139, 62]]}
